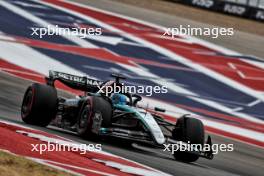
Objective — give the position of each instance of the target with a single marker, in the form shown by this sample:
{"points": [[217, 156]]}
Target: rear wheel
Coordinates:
{"points": [[188, 130], [93, 108], [39, 105]]}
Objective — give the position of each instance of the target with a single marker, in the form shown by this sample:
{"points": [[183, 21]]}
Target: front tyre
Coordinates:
{"points": [[39, 105], [188, 130], [91, 109]]}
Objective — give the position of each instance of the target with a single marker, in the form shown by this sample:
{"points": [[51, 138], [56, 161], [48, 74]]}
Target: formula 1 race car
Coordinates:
{"points": [[98, 113]]}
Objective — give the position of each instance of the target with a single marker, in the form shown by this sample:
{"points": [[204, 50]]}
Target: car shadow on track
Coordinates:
{"points": [[118, 144]]}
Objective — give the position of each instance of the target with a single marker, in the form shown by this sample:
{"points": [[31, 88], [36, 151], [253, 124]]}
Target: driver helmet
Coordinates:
{"points": [[119, 99]]}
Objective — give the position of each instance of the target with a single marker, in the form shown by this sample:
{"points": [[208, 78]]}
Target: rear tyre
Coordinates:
{"points": [[92, 108], [188, 130], [39, 105]]}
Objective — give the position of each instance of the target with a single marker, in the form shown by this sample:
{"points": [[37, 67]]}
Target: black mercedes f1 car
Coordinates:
{"points": [[95, 114]]}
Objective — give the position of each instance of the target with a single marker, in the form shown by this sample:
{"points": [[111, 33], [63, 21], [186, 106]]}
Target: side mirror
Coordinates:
{"points": [[136, 100], [159, 109]]}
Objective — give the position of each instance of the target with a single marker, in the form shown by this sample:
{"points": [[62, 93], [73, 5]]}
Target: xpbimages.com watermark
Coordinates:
{"points": [[140, 89], [187, 147], [51, 30], [214, 32], [58, 147]]}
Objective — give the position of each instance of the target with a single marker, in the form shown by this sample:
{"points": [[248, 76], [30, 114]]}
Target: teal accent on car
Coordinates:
{"points": [[103, 130], [133, 110]]}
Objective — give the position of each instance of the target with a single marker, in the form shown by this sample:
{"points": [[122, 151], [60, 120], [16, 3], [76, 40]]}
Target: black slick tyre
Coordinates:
{"points": [[39, 105]]}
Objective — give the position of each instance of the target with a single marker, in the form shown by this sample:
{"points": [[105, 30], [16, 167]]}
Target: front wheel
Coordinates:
{"points": [[94, 108], [189, 130]]}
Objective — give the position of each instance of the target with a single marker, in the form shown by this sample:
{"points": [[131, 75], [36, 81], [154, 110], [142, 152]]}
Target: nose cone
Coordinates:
{"points": [[153, 127]]}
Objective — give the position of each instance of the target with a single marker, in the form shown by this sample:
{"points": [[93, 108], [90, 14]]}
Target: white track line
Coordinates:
{"points": [[73, 143], [46, 162], [242, 75], [254, 103], [23, 72], [24, 56], [43, 23]]}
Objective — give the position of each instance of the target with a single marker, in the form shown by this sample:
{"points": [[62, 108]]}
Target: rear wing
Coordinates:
{"points": [[76, 82]]}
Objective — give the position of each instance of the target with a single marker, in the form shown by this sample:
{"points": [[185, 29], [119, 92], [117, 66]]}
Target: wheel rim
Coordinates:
{"points": [[27, 103], [85, 117]]}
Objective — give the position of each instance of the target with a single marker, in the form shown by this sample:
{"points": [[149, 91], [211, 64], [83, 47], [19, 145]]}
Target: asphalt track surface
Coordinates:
{"points": [[244, 160]]}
